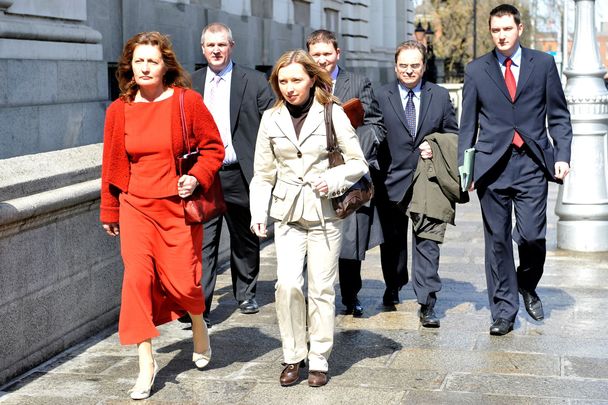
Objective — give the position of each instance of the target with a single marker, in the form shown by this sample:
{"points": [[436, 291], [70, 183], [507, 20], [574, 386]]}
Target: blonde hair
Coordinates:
{"points": [[322, 85]]}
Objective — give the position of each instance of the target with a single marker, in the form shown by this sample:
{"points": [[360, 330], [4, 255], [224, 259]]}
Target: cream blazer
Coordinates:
{"points": [[285, 166]]}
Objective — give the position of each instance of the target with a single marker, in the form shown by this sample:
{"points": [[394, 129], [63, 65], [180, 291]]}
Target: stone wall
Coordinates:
{"points": [[60, 276]]}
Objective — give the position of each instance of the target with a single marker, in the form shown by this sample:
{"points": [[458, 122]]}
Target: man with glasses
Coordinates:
{"points": [[412, 109], [236, 97]]}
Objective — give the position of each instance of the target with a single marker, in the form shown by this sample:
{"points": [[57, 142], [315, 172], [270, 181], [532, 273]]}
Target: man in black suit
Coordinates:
{"points": [[237, 97], [511, 94], [361, 231], [412, 109]]}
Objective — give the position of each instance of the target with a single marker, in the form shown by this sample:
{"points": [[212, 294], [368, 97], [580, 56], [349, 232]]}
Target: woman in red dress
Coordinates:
{"points": [[141, 197]]}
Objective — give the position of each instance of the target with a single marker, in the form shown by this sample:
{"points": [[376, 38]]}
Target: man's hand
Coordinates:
{"points": [[561, 170], [425, 150]]}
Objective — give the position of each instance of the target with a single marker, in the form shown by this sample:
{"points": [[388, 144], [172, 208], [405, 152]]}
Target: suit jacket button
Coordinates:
{"points": [[299, 154]]}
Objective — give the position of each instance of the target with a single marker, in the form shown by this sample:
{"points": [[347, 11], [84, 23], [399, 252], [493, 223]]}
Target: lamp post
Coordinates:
{"points": [[582, 202], [431, 70], [419, 33]]}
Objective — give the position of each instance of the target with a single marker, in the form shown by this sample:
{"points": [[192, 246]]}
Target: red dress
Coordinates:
{"points": [[161, 254]]}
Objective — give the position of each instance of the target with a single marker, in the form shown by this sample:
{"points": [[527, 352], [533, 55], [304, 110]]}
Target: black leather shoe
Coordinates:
{"points": [[249, 306], [356, 309], [533, 304], [390, 297], [428, 319], [501, 327], [290, 374]]}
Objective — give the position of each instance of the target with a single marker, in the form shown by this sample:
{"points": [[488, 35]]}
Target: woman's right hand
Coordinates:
{"points": [[111, 229], [259, 230]]}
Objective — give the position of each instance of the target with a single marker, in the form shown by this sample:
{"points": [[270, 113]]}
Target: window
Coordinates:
{"points": [[301, 12]]}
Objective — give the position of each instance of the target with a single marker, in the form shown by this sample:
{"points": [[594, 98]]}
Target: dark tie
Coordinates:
{"points": [[410, 113], [512, 87]]}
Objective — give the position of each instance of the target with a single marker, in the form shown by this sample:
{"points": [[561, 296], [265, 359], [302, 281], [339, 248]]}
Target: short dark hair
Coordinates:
{"points": [[411, 45], [321, 36], [505, 9]]}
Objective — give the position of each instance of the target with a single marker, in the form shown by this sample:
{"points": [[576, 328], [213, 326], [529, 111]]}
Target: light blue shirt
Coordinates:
{"points": [[416, 99], [515, 66]]}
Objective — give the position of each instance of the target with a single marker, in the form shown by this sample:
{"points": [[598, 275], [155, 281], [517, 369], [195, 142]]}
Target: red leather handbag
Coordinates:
{"points": [[200, 206]]}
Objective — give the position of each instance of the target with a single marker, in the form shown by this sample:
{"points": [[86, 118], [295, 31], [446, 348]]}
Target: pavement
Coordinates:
{"points": [[384, 357]]}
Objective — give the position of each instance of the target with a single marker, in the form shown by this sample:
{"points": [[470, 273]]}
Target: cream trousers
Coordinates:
{"points": [[320, 246]]}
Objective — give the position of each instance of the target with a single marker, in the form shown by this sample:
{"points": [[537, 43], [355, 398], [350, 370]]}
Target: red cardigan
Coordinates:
{"points": [[115, 166]]}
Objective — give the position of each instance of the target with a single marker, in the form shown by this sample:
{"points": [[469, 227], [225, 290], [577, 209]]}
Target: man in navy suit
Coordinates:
{"points": [[512, 95], [412, 109], [236, 97]]}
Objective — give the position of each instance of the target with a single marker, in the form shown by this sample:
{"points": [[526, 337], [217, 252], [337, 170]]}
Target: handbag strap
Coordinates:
{"points": [[329, 128], [182, 116]]}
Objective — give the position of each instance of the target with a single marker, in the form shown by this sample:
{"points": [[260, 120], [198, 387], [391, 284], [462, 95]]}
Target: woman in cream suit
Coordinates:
{"points": [[292, 184]]}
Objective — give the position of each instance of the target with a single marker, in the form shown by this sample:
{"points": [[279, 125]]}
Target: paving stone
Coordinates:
{"points": [[557, 345], [330, 394], [462, 398], [586, 367], [528, 386], [477, 362]]}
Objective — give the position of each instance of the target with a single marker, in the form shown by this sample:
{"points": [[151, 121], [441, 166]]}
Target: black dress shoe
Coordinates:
{"points": [[291, 374], [390, 297], [501, 327], [428, 319], [533, 304], [356, 309], [249, 306]]}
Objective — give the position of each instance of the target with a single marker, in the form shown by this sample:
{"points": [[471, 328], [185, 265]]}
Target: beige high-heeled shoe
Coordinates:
{"points": [[202, 359], [143, 394]]}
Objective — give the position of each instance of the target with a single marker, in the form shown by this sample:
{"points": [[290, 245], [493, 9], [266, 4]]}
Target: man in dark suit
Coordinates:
{"points": [[362, 230], [511, 94], [237, 97], [412, 109]]}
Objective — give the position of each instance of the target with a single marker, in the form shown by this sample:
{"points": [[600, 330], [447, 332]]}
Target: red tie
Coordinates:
{"points": [[512, 87]]}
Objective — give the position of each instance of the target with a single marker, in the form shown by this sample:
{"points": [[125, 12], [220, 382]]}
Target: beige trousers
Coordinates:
{"points": [[320, 246]]}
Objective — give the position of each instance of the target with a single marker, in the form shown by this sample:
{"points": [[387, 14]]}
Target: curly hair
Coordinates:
{"points": [[323, 83], [175, 75]]}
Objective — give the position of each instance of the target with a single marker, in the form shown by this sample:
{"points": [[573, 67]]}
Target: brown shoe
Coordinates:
{"points": [[317, 378], [291, 374]]}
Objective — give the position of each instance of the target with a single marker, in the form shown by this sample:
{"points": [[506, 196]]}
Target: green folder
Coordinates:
{"points": [[466, 170]]}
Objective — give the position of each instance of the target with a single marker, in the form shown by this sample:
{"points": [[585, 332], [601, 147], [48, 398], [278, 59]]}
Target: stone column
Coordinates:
{"points": [[582, 204]]}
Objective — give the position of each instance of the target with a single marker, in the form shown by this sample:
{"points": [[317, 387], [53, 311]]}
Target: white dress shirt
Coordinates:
{"points": [[217, 100]]}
